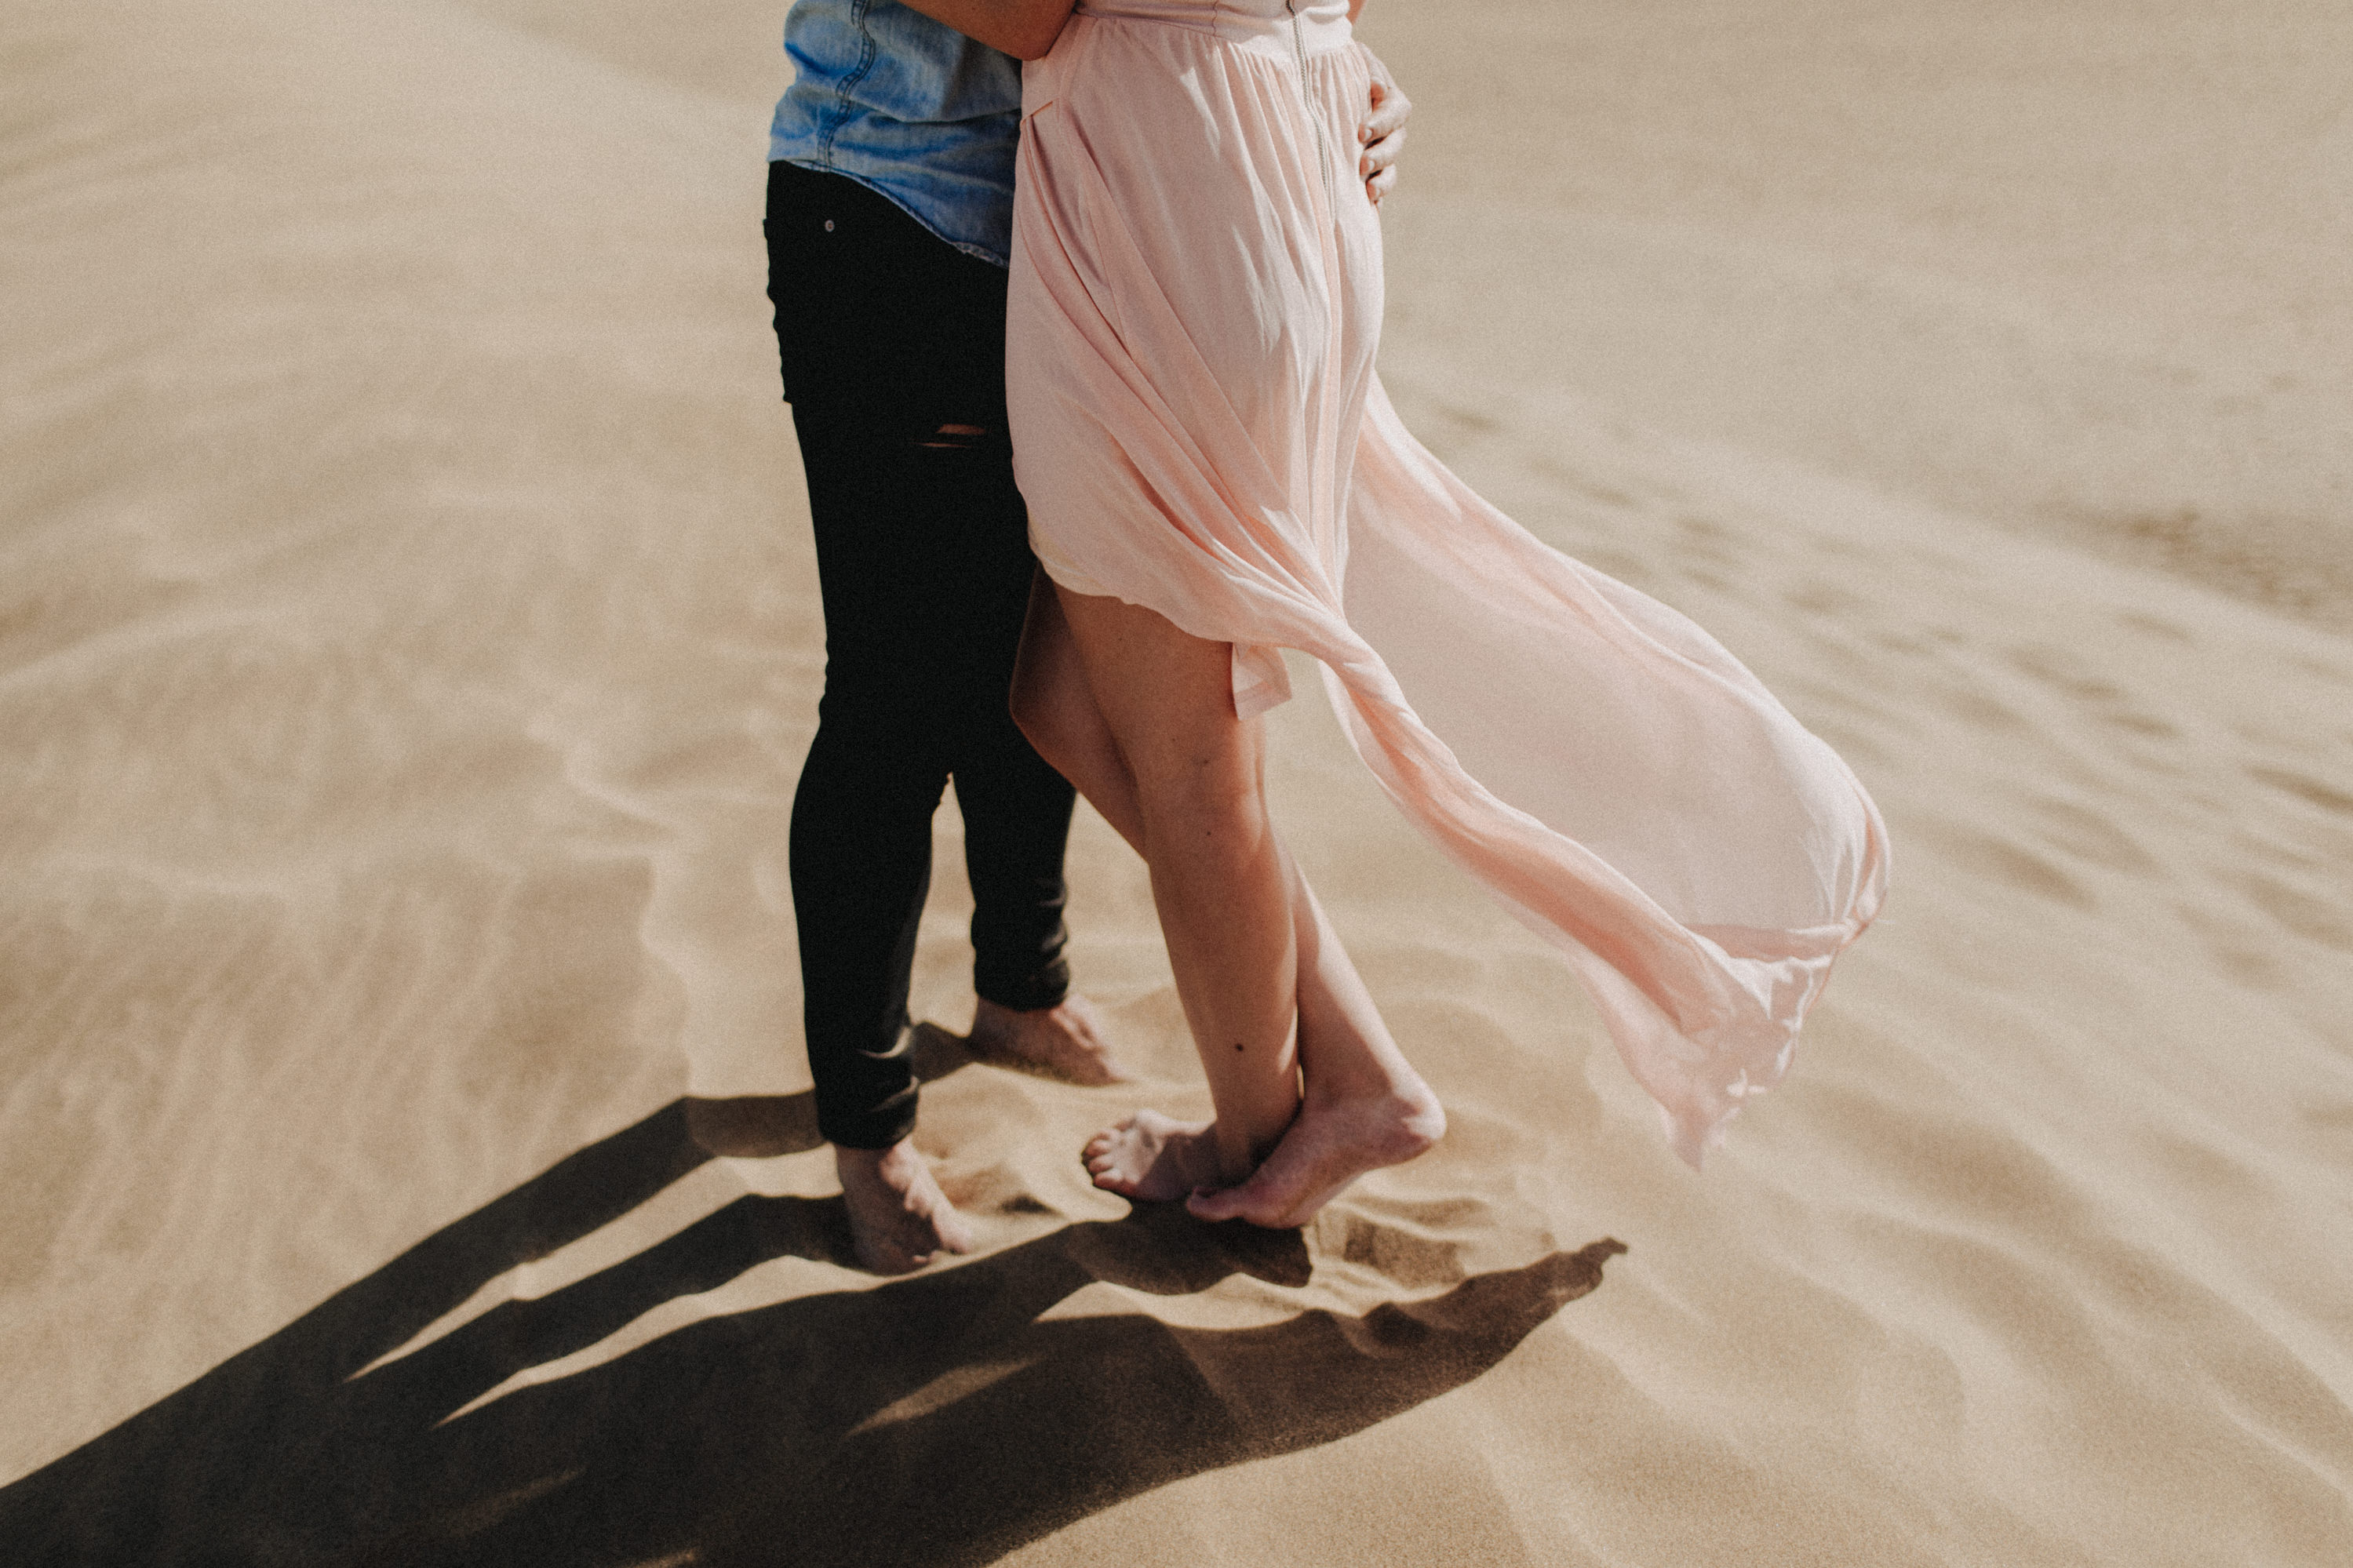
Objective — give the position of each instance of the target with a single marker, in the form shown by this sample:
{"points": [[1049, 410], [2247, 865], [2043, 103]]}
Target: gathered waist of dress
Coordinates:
{"points": [[1306, 26]]}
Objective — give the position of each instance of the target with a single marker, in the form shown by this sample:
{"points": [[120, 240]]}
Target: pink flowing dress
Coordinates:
{"points": [[1197, 428]]}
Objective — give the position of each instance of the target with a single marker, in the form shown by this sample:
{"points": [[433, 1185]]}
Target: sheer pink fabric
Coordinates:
{"points": [[1197, 428]]}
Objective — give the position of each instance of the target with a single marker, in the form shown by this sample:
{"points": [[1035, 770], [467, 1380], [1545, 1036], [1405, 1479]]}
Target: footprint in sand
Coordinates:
{"points": [[1412, 1259]]}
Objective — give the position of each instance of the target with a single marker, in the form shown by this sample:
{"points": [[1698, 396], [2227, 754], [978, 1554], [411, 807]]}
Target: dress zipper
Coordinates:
{"points": [[1322, 147]]}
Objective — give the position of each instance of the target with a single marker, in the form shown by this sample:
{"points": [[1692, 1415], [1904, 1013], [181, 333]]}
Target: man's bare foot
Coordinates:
{"points": [[899, 1218], [1336, 1139], [1064, 1041], [1152, 1159]]}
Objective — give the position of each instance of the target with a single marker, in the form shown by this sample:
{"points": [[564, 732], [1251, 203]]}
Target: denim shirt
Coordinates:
{"points": [[909, 106]]}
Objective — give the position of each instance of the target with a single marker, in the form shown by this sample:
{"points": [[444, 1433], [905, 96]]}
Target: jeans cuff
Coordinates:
{"points": [[1033, 991], [870, 1127]]}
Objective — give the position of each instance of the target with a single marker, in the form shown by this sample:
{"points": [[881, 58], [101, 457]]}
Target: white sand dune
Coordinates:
{"points": [[408, 637]]}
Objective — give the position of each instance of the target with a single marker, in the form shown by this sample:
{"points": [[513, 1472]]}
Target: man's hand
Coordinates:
{"points": [[1383, 134]]}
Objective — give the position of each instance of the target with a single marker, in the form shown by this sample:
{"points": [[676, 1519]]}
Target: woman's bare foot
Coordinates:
{"points": [[1336, 1139], [899, 1218], [1064, 1041], [1153, 1159]]}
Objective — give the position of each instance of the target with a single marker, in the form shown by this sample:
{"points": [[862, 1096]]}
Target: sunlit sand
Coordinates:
{"points": [[408, 636]]}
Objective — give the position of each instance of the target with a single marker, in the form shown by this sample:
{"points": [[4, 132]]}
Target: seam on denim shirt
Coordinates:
{"points": [[869, 51]]}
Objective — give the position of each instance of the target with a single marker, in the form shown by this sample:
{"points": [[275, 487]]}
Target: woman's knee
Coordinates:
{"points": [[1210, 796]]}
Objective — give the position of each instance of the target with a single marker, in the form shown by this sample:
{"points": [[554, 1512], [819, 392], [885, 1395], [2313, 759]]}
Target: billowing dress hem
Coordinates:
{"points": [[1198, 429]]}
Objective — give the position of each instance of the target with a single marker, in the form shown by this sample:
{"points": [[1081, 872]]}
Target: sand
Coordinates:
{"points": [[408, 637]]}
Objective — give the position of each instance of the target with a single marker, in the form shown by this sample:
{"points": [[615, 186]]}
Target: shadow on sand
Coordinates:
{"points": [[930, 1420]]}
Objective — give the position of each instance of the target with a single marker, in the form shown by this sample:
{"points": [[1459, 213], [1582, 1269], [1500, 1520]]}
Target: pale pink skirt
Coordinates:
{"points": [[1197, 428]]}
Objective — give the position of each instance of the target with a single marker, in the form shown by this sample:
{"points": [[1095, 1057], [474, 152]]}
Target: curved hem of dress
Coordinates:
{"points": [[1260, 682], [978, 252]]}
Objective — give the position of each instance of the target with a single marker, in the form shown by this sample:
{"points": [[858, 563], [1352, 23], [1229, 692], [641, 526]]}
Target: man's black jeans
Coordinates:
{"points": [[892, 343]]}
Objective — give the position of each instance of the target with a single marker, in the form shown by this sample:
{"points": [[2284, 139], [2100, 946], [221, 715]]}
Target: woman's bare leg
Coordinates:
{"points": [[1364, 1106], [1217, 873]]}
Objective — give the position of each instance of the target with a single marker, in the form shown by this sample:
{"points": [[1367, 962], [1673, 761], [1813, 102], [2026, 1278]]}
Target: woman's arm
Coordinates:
{"points": [[1025, 29]]}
